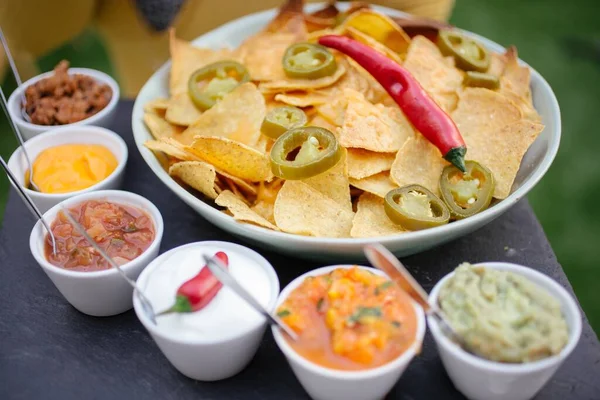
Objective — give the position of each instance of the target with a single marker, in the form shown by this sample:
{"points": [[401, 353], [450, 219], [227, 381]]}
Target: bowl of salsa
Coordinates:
{"points": [[128, 227], [357, 331]]}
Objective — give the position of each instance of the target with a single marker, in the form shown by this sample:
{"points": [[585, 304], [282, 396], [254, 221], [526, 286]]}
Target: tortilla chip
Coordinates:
{"points": [[233, 158], [172, 148], [322, 19], [303, 210], [379, 27], [515, 77], [265, 198], [157, 106], [369, 127], [240, 210], [379, 184], [322, 123], [419, 162], [446, 101], [364, 163], [159, 127], [302, 99], [238, 116], [198, 175], [186, 59], [484, 111], [497, 64], [371, 220], [429, 67], [502, 151], [334, 183], [524, 105], [265, 209], [244, 186], [334, 110], [289, 19], [372, 43], [182, 110], [262, 55], [290, 85]]}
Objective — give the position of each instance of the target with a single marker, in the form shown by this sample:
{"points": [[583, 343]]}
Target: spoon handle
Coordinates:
{"points": [[218, 270], [28, 202], [381, 258], [17, 133]]}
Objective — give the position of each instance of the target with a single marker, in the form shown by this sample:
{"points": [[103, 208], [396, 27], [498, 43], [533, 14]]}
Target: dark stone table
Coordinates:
{"points": [[48, 350]]}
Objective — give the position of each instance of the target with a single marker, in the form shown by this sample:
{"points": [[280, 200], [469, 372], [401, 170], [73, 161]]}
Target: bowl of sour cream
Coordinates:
{"points": [[219, 340]]}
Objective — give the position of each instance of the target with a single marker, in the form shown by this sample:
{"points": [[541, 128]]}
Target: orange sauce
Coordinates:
{"points": [[349, 319]]}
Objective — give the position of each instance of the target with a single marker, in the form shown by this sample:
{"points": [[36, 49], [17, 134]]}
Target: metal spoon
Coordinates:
{"points": [[383, 259], [17, 133], [146, 305], [15, 72], [218, 269], [28, 202]]}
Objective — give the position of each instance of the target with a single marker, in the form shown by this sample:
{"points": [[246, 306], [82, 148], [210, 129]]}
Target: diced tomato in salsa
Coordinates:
{"points": [[349, 319], [122, 231]]}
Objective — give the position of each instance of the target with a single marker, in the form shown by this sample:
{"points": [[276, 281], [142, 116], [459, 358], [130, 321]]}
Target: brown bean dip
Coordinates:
{"points": [[64, 99]]}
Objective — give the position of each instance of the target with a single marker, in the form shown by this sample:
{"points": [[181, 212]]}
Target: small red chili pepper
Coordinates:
{"points": [[417, 105], [197, 292]]}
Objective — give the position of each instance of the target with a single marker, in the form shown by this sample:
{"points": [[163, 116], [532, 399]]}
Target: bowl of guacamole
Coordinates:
{"points": [[519, 323]]}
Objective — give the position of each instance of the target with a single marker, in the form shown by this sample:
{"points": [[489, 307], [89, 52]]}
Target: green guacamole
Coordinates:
{"points": [[503, 316]]}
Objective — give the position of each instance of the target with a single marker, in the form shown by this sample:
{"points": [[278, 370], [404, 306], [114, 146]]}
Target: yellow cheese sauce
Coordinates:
{"points": [[72, 167]]}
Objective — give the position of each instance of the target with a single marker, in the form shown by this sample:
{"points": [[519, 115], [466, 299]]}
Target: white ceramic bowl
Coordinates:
{"points": [[480, 379], [533, 167], [201, 358], [70, 135], [103, 118], [329, 384], [98, 293]]}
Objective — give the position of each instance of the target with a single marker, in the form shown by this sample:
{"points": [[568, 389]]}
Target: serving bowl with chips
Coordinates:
{"points": [[219, 155]]}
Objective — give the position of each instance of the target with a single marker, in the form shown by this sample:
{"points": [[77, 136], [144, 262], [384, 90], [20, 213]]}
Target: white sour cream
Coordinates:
{"points": [[227, 315]]}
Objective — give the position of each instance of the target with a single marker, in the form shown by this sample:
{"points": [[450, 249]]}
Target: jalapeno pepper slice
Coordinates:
{"points": [[415, 208], [481, 79], [467, 193], [468, 54], [308, 61], [209, 84], [304, 152], [281, 119]]}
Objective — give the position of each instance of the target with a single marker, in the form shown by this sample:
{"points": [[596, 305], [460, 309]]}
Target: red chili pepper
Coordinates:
{"points": [[419, 108], [197, 292]]}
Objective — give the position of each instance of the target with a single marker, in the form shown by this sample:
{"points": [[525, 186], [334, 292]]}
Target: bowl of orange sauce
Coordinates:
{"points": [[357, 331], [69, 161]]}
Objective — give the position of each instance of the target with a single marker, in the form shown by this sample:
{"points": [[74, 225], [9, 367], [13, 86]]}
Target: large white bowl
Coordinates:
{"points": [[533, 167], [102, 118], [480, 379], [323, 383]]}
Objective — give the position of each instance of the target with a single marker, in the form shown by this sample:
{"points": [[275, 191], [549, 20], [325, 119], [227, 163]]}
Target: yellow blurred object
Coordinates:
{"points": [[35, 27]]}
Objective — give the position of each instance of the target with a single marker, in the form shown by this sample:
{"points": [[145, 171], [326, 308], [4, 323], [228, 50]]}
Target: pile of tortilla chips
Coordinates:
{"points": [[222, 155]]}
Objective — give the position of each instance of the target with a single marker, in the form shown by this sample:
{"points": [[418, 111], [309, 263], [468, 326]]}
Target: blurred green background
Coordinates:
{"points": [[561, 39]]}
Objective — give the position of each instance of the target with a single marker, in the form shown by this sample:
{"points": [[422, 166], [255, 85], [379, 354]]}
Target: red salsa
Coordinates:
{"points": [[124, 232]]}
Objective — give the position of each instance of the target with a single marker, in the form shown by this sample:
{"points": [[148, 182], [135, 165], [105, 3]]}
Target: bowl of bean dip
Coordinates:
{"points": [[64, 97], [519, 326]]}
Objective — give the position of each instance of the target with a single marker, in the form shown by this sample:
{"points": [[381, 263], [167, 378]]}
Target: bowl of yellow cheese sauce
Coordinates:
{"points": [[69, 161]]}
